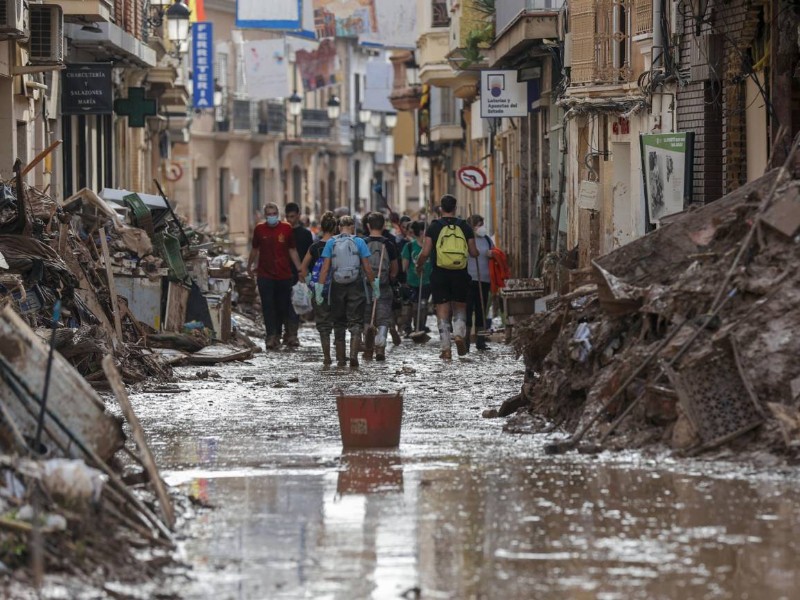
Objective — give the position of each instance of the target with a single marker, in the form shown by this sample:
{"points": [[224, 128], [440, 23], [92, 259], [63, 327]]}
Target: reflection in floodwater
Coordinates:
{"points": [[459, 510]]}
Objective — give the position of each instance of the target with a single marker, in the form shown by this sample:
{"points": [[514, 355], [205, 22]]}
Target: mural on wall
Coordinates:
{"points": [[318, 67], [345, 18]]}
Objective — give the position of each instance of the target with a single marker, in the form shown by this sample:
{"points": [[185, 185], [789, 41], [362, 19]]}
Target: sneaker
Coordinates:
{"points": [[461, 345], [273, 343], [291, 342], [446, 355]]}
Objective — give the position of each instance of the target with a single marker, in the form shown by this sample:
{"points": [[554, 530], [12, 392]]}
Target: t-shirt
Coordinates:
{"points": [[273, 244], [361, 245], [303, 239], [483, 244], [410, 252], [436, 228]]}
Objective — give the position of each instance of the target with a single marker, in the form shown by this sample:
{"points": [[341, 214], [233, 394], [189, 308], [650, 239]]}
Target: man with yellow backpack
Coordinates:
{"points": [[451, 242]]}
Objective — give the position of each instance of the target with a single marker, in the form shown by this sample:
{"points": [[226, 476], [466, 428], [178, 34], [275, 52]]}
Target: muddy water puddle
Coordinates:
{"points": [[459, 510]]}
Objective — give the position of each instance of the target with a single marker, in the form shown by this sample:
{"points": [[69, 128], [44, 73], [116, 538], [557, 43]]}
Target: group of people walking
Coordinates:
{"points": [[376, 284]]}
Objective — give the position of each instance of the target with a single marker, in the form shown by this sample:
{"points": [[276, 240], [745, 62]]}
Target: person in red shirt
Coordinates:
{"points": [[274, 251]]}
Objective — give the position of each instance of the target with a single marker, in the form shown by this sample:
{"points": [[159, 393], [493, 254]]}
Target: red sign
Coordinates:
{"points": [[472, 178]]}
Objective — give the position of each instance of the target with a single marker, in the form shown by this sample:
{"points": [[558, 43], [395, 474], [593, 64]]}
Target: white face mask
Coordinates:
{"points": [[481, 231]]}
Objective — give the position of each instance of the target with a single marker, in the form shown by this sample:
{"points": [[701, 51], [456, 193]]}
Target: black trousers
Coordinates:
{"points": [[474, 312]]}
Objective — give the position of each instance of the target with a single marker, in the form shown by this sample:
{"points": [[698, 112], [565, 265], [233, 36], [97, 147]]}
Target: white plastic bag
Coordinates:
{"points": [[301, 298]]}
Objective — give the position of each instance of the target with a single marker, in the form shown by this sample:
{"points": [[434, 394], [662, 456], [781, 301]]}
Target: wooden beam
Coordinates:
{"points": [[112, 288]]}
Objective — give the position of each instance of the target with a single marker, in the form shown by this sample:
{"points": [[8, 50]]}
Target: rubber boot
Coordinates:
{"points": [[369, 343], [444, 340], [355, 346], [480, 344], [325, 340], [341, 353], [460, 333], [290, 338], [273, 342], [380, 343], [396, 339]]}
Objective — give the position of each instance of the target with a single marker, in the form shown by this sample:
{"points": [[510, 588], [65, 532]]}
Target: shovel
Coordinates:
{"points": [[369, 334]]}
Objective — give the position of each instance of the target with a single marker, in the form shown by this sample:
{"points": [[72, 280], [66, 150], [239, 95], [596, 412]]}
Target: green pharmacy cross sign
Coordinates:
{"points": [[136, 107]]}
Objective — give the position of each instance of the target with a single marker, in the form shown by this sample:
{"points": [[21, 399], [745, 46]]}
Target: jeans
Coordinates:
{"points": [[276, 303]]}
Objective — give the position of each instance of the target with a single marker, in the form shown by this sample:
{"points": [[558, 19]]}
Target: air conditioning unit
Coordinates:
{"points": [[13, 19], [46, 42]]}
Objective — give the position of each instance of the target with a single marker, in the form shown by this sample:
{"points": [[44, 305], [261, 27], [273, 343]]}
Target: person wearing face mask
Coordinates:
{"points": [[272, 256], [481, 282]]}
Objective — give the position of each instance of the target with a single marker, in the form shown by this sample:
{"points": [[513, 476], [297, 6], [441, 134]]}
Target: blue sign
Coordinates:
{"points": [[203, 65], [279, 15]]}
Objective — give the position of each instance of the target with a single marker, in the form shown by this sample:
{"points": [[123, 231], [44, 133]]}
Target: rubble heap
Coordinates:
{"points": [[687, 336]]}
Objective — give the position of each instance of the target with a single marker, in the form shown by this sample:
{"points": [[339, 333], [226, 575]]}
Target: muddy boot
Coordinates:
{"points": [[480, 344], [355, 346], [290, 338], [460, 334], [396, 339], [444, 339], [273, 342], [369, 343], [341, 353], [325, 340], [380, 343]]}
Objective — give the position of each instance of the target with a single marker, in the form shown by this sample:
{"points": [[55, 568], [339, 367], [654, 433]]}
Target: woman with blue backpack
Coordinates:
{"points": [[323, 318], [345, 258]]}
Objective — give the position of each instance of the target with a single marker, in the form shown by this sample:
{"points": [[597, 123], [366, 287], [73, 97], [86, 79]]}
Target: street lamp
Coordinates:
{"points": [[295, 104], [364, 115], [178, 25], [334, 108], [391, 120], [375, 120]]}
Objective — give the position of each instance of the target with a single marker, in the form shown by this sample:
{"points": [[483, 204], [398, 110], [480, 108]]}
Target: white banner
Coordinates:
{"points": [[379, 85], [281, 15], [397, 25], [266, 69]]}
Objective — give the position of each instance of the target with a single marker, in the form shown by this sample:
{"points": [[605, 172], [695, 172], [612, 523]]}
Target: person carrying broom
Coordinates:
{"points": [[378, 315]]}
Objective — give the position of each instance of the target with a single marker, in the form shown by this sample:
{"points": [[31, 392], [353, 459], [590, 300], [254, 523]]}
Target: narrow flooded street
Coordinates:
{"points": [[460, 510]]}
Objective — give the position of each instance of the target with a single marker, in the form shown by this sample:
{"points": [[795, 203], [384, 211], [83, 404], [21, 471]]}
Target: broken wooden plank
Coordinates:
{"points": [[148, 461], [112, 288], [212, 355], [177, 301]]}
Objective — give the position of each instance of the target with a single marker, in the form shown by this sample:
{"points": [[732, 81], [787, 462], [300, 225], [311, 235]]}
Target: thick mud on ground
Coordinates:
{"points": [[460, 510]]}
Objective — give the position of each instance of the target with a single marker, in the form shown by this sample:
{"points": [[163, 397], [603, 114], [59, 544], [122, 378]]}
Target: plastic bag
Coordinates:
{"points": [[301, 298]]}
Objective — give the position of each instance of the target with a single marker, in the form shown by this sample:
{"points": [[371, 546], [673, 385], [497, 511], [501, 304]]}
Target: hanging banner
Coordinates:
{"points": [[396, 25], [345, 18], [378, 85], [266, 69], [318, 67], [86, 89], [667, 170], [280, 15], [203, 65], [502, 95], [198, 11]]}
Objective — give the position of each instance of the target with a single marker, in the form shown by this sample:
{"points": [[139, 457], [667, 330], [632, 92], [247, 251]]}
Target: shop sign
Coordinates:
{"points": [[203, 62], [502, 95], [87, 89]]}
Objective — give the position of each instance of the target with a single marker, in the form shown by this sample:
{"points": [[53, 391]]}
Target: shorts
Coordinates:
{"points": [[450, 286]]}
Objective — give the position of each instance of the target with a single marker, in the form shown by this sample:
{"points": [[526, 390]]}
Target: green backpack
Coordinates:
{"points": [[451, 248]]}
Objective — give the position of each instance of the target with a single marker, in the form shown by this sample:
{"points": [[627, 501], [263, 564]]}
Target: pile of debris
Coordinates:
{"points": [[688, 336]]}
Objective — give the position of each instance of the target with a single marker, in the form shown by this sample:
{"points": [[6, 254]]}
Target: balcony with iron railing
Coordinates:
{"points": [[508, 11]]}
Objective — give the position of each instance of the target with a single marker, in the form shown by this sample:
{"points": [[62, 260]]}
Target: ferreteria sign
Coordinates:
{"points": [[87, 90], [502, 95]]}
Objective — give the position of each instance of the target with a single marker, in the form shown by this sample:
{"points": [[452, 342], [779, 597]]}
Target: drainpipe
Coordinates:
{"points": [[658, 58]]}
